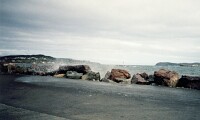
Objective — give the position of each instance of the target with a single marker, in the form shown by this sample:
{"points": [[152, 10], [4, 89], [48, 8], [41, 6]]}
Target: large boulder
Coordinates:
{"points": [[91, 76], [78, 68], [117, 76], [166, 77], [119, 73], [73, 75], [189, 82], [140, 79]]}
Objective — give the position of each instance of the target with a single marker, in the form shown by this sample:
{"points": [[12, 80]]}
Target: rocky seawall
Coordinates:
{"points": [[162, 77]]}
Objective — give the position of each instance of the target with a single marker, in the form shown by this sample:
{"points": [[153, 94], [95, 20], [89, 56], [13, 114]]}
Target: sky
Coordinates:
{"points": [[132, 32]]}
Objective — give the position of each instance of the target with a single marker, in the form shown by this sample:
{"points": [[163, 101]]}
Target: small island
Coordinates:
{"points": [[178, 64]]}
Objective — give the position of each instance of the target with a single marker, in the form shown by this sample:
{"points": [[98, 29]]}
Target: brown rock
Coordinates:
{"points": [[119, 73], [117, 76], [166, 77]]}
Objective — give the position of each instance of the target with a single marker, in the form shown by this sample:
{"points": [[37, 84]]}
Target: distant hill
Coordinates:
{"points": [[41, 59], [26, 58], [177, 64]]}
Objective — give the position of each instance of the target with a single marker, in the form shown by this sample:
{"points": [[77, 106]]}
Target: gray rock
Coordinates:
{"points": [[106, 78], [73, 75], [138, 79], [107, 75], [91, 76]]}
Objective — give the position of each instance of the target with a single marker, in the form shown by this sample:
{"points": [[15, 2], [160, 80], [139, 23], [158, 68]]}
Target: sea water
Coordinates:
{"points": [[182, 70], [133, 69]]}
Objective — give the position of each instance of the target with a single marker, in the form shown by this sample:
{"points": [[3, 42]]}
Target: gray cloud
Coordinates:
{"points": [[106, 31]]}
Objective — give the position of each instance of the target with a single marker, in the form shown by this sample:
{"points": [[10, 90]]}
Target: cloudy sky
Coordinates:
{"points": [[105, 31]]}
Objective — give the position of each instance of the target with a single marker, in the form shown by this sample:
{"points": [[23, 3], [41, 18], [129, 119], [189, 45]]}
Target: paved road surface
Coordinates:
{"points": [[47, 98]]}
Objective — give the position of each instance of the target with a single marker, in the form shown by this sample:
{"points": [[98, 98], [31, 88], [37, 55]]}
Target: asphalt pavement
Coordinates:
{"points": [[47, 98]]}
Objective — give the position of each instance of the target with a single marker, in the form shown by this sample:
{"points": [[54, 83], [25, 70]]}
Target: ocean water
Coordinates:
{"points": [[182, 70], [133, 69]]}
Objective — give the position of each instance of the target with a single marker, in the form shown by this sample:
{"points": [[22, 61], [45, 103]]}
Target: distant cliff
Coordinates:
{"points": [[177, 64]]}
